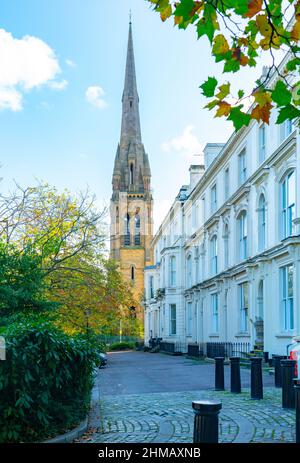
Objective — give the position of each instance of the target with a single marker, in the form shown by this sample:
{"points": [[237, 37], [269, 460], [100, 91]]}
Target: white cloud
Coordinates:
{"points": [[70, 63], [59, 85], [25, 64], [95, 96], [187, 143], [10, 99]]}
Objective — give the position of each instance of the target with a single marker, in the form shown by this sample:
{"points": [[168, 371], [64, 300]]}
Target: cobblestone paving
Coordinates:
{"points": [[168, 417]]}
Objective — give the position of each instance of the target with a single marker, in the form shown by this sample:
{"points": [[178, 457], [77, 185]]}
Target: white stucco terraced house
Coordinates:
{"points": [[227, 255]]}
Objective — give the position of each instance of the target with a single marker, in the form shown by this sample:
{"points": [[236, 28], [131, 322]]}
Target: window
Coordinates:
{"points": [[189, 271], [172, 319], [131, 174], [214, 255], [288, 190], [244, 304], [287, 298], [242, 225], [172, 271], [262, 143], [260, 300], [242, 167], [197, 263], [163, 272], [226, 246], [189, 319], [213, 197], [195, 214], [151, 287], [189, 225], [226, 183], [215, 313], [137, 230], [286, 129], [261, 223], [127, 230]]}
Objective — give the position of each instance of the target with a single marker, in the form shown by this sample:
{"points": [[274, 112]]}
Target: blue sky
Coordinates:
{"points": [[48, 128]]}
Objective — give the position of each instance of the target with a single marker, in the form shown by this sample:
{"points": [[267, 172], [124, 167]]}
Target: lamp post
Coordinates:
{"points": [[87, 313], [120, 330]]}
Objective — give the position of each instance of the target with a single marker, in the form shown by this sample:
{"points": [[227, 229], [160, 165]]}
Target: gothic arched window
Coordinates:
{"points": [[131, 174], [137, 230], [127, 230]]}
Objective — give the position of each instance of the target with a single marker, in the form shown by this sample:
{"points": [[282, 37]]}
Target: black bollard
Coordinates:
{"points": [[256, 378], [219, 374], [235, 375], [288, 391], [297, 405], [206, 423], [277, 369], [266, 357]]}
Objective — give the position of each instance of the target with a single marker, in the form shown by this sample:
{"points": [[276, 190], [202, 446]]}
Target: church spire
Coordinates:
{"points": [[131, 130]]}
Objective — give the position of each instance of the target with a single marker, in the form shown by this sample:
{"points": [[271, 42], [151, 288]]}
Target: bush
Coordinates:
{"points": [[122, 346], [45, 382]]}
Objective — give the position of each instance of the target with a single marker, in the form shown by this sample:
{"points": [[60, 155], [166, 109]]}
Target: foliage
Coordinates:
{"points": [[53, 256], [22, 285], [240, 32], [46, 381], [122, 346]]}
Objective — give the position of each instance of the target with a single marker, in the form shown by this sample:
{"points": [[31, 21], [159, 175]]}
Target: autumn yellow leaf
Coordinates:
{"points": [[295, 33], [223, 110], [220, 45], [177, 20], [254, 7], [262, 97], [262, 113], [263, 25], [166, 13]]}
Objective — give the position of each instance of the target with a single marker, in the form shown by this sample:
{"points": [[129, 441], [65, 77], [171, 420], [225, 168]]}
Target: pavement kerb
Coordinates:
{"points": [[69, 436]]}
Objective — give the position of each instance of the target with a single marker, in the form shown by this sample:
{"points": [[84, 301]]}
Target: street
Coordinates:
{"points": [[143, 397]]}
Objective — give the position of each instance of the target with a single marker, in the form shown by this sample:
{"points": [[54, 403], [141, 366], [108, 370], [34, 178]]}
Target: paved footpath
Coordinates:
{"points": [[143, 397]]}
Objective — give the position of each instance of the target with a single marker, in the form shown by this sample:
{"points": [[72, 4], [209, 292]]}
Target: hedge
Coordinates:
{"points": [[122, 346], [45, 381]]}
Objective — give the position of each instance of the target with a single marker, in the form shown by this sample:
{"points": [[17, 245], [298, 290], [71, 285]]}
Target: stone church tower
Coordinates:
{"points": [[131, 202]]}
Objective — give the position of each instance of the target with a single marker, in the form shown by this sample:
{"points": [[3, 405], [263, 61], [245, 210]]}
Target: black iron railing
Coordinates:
{"points": [[227, 349], [167, 347]]}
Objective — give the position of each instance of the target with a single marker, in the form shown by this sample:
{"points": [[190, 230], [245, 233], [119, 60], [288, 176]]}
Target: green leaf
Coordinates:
{"points": [[232, 66], [238, 117], [241, 93], [281, 95], [209, 87], [184, 8], [208, 24], [289, 112], [292, 65], [224, 90]]}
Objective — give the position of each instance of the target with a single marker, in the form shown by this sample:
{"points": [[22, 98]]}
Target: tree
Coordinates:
{"points": [[52, 254], [239, 32]]}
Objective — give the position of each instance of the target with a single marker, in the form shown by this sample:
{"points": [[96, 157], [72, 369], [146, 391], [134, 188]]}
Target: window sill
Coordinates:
{"points": [[285, 335], [246, 334]]}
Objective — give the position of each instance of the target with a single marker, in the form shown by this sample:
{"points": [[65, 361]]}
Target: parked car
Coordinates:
{"points": [[295, 354], [103, 360]]}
